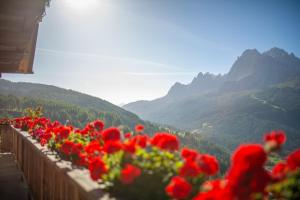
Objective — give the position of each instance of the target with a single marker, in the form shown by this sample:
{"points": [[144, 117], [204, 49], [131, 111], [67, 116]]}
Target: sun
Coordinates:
{"points": [[81, 5]]}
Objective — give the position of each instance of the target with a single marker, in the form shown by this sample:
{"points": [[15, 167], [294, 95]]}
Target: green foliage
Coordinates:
{"points": [[33, 113], [289, 188], [158, 167]]}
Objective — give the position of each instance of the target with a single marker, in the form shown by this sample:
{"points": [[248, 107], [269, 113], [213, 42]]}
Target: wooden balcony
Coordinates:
{"points": [[47, 176]]}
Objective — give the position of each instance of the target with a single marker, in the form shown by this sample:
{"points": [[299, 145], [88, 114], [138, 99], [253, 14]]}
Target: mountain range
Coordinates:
{"points": [[261, 92]]}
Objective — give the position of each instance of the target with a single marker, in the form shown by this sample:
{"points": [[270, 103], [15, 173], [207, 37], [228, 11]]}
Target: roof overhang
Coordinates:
{"points": [[19, 22]]}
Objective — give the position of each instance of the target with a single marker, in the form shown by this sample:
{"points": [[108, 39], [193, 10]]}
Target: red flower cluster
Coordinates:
{"points": [[165, 141], [291, 164], [69, 148], [111, 134], [99, 125], [196, 163], [129, 173], [104, 151], [293, 160], [139, 128], [138, 141], [179, 188], [213, 190], [97, 168], [275, 139], [247, 174]]}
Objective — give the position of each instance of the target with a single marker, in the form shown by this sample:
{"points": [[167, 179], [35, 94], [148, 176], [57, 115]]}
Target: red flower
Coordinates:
{"points": [[99, 125], [83, 159], [214, 190], [64, 131], [111, 147], [178, 188], [111, 134], [129, 174], [139, 128], [250, 156], [189, 169], [247, 175], [67, 147], [93, 147], [187, 153], [208, 164], [77, 148], [132, 144], [244, 184], [279, 170], [127, 135], [275, 139], [84, 131], [47, 134], [97, 168], [165, 141], [43, 142], [293, 160], [140, 140], [129, 146]]}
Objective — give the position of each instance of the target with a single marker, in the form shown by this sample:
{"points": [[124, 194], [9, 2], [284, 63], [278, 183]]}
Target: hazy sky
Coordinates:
{"points": [[128, 50]]}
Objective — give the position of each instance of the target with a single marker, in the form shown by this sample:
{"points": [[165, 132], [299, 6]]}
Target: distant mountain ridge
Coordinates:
{"points": [[223, 101]]}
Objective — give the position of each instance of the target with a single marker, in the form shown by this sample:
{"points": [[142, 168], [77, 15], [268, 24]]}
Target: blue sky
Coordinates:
{"points": [[128, 50]]}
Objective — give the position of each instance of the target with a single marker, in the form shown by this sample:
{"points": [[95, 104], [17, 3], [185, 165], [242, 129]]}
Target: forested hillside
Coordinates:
{"points": [[60, 95]]}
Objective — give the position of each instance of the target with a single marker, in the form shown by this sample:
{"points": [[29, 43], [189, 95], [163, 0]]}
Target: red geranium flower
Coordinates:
{"points": [[43, 142], [189, 169], [178, 188], [139, 128], [77, 148], [67, 147], [165, 141], [275, 139], [93, 147], [249, 155], [129, 146], [279, 170], [111, 147], [99, 125], [187, 153], [127, 135], [129, 174], [64, 131], [247, 175], [97, 168], [111, 134], [214, 190], [293, 160], [140, 140], [83, 159], [208, 164]]}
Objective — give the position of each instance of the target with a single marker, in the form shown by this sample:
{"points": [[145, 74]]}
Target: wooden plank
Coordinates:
{"points": [[22, 7], [11, 23]]}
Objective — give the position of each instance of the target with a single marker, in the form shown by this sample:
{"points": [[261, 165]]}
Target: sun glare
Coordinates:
{"points": [[81, 5]]}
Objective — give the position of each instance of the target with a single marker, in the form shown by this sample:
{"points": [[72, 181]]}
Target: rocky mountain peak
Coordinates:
{"points": [[250, 53], [276, 52]]}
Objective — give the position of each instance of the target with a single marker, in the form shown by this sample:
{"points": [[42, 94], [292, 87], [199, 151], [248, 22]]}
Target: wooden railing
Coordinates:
{"points": [[47, 176]]}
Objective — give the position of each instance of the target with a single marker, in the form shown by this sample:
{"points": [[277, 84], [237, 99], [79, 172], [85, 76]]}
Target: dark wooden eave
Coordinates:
{"points": [[19, 22]]}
